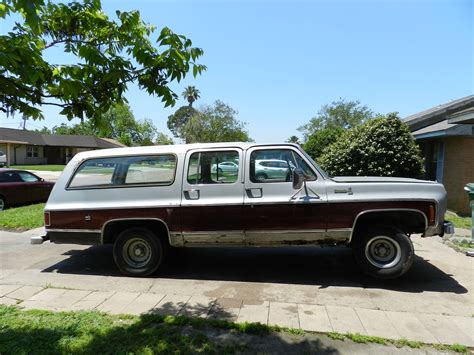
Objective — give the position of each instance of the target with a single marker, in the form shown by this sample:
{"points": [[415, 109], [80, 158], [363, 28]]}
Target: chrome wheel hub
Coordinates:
{"points": [[383, 252], [136, 252]]}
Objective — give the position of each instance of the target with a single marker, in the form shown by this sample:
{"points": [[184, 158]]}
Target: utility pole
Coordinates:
{"points": [[24, 123]]}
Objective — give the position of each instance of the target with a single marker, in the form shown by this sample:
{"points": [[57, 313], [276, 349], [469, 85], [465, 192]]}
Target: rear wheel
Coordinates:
{"points": [[384, 252], [3, 203], [138, 252]]}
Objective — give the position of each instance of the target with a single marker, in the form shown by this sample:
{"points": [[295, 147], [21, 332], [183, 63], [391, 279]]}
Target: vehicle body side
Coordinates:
{"points": [[236, 214]]}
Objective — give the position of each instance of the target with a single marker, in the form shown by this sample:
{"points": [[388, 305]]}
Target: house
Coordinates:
{"points": [[30, 148], [445, 134]]}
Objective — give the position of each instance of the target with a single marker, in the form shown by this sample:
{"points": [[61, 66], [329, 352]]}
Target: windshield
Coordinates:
{"points": [[316, 166]]}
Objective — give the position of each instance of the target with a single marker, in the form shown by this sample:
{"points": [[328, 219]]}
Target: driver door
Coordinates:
{"points": [[274, 212]]}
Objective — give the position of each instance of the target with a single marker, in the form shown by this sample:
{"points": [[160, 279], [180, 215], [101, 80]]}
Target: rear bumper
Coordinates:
{"points": [[448, 228]]}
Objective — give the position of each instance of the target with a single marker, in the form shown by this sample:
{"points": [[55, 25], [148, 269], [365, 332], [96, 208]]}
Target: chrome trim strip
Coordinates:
{"points": [[133, 219], [285, 231], [386, 210], [67, 230]]}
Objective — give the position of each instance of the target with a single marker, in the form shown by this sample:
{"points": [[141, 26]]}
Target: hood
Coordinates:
{"points": [[361, 179]]}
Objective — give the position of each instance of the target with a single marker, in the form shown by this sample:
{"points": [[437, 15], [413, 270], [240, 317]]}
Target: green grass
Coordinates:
{"points": [[39, 167], [22, 218], [459, 222], [91, 332]]}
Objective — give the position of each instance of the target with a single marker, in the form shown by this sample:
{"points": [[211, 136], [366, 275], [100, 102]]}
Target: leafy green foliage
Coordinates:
{"points": [[338, 114], [178, 120], [191, 94], [108, 54], [163, 139], [293, 139], [215, 124], [321, 139], [117, 123], [381, 147]]}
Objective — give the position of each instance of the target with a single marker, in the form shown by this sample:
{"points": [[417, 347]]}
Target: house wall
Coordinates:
{"points": [[458, 171], [18, 155]]}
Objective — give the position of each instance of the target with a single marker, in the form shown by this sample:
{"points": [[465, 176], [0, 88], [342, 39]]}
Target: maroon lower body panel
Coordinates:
{"points": [[236, 217]]}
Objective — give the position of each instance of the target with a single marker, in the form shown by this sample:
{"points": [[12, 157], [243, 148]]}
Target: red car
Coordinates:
{"points": [[19, 187]]}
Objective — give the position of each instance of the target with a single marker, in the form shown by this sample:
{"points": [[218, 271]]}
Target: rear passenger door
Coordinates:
{"points": [[212, 197]]}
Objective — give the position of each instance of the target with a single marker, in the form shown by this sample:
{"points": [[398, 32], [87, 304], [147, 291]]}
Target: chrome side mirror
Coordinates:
{"points": [[298, 178]]}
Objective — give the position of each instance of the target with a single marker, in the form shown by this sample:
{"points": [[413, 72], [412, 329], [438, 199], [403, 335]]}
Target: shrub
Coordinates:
{"points": [[319, 140], [380, 147]]}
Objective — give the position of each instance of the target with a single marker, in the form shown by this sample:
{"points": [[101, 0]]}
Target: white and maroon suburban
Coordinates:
{"points": [[145, 200]]}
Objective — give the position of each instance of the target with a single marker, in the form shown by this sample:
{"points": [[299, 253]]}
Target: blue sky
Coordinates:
{"points": [[278, 62]]}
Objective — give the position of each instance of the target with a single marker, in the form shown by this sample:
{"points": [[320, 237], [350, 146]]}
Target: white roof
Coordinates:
{"points": [[176, 149]]}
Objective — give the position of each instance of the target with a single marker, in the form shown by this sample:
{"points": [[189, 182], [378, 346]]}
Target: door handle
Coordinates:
{"points": [[254, 192], [193, 194], [344, 191]]}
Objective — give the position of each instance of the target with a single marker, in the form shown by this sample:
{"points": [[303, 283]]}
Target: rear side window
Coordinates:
{"points": [[125, 171], [213, 167]]}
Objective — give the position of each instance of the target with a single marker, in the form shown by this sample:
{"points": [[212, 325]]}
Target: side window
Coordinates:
{"points": [[27, 177], [146, 170], [276, 165], [32, 151], [125, 171], [213, 167]]}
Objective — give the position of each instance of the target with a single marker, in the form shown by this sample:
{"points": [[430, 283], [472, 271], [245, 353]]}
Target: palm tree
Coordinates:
{"points": [[191, 94]]}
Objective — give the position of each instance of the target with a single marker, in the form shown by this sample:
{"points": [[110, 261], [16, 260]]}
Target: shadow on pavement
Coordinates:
{"points": [[323, 267]]}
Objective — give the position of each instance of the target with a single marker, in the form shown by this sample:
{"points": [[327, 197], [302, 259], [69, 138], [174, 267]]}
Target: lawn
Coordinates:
{"points": [[39, 167], [91, 332], [459, 222], [22, 218]]}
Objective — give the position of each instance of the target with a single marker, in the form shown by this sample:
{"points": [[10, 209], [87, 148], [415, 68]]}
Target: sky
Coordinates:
{"points": [[278, 62]]}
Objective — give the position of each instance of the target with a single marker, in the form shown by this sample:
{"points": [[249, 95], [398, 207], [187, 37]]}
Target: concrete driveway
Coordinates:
{"points": [[47, 175], [308, 288]]}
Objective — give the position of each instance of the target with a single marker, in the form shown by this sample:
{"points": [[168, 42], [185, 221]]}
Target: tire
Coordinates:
{"points": [[261, 177], [384, 252], [3, 203], [136, 240]]}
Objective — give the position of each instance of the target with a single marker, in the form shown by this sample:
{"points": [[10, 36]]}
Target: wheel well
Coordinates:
{"points": [[113, 229], [407, 221]]}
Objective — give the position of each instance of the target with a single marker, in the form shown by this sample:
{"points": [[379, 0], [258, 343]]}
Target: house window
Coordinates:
{"points": [[32, 151]]}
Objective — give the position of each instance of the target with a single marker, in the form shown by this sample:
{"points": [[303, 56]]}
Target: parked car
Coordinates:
{"points": [[3, 159], [273, 169], [19, 187], [144, 208], [225, 166]]}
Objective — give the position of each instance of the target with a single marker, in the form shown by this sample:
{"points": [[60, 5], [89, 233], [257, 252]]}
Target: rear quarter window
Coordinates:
{"points": [[125, 171]]}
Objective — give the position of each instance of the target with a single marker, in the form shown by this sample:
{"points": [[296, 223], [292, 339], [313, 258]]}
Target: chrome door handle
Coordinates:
{"points": [[193, 194], [254, 192], [344, 191]]}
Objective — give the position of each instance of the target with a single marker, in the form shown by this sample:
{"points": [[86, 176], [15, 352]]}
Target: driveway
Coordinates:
{"points": [[47, 175], [309, 288]]}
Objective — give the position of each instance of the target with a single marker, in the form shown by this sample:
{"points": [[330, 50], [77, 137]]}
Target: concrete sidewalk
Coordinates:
{"points": [[37, 277]]}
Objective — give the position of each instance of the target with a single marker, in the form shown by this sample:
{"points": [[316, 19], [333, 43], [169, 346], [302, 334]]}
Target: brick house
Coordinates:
{"points": [[445, 134], [30, 148]]}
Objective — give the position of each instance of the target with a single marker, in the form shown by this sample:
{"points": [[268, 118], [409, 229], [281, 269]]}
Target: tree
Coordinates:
{"points": [[178, 120], [191, 94], [380, 147], [319, 140], [215, 124], [117, 123], [108, 55], [293, 139], [163, 139], [341, 113]]}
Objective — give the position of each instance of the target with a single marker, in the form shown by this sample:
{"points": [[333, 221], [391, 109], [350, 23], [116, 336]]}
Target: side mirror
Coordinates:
{"points": [[298, 178]]}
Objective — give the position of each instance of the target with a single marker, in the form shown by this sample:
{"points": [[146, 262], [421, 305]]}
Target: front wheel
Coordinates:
{"points": [[138, 252], [384, 252]]}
